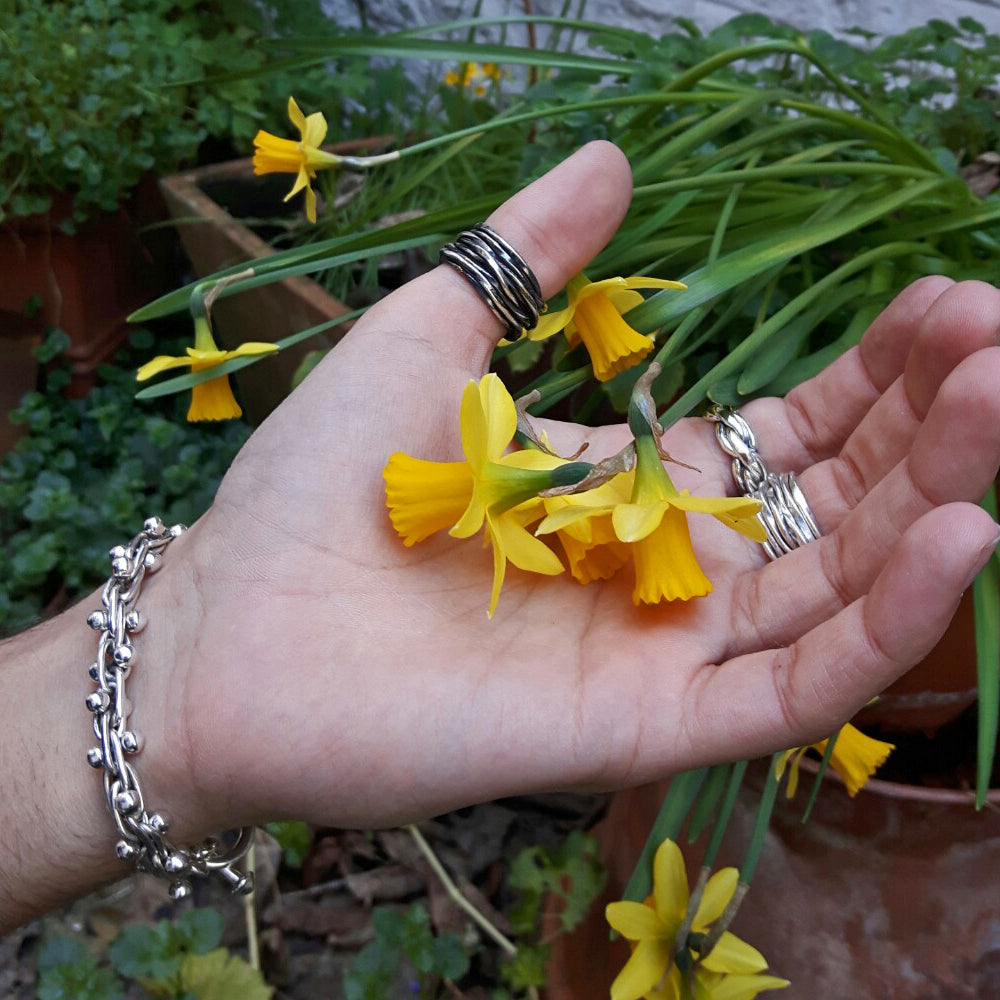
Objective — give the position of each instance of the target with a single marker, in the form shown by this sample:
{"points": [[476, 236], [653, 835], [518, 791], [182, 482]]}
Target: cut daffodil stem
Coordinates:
{"points": [[750, 859]]}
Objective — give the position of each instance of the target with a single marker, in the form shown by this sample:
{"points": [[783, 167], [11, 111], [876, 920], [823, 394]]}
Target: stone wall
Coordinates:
{"points": [[882, 16]]}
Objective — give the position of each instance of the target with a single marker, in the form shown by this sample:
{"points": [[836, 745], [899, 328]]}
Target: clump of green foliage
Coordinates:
{"points": [[569, 878], [95, 93], [87, 471], [178, 959]]}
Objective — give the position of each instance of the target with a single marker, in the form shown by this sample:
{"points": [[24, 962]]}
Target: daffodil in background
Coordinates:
{"points": [[489, 488], [273, 155], [855, 757], [593, 314], [472, 74], [732, 970], [213, 399]]}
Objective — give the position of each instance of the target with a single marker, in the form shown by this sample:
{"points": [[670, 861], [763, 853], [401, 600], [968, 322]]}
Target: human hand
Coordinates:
{"points": [[335, 676]]}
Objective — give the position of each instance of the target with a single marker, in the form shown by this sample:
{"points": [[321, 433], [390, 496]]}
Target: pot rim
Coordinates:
{"points": [[913, 793]]}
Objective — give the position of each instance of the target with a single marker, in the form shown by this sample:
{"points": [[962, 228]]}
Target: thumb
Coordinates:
{"points": [[557, 224]]}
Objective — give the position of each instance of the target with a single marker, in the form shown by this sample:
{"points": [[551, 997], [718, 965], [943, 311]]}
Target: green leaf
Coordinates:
{"points": [[820, 775], [222, 976], [709, 797], [61, 950], [295, 838], [141, 952], [200, 930], [526, 968], [450, 959], [681, 794], [986, 599]]}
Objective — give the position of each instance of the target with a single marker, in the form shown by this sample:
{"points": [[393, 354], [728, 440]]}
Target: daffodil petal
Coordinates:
{"points": [[315, 129], [640, 281], [670, 884], [561, 519], [646, 967], [550, 324], [472, 518], [500, 416], [732, 955], [531, 458], [297, 118], [310, 204], [671, 988], [499, 571], [161, 363], [718, 892], [740, 987], [634, 521], [301, 181], [634, 921], [623, 299], [523, 549], [737, 507]]}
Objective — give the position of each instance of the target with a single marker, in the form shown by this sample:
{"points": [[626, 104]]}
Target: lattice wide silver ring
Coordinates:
{"points": [[499, 275], [784, 512]]}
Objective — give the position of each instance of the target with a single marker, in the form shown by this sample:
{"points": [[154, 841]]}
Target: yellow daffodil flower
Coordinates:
{"points": [[273, 155], [654, 524], [592, 549], [855, 757], [489, 487], [593, 314], [473, 71], [211, 400], [732, 969]]}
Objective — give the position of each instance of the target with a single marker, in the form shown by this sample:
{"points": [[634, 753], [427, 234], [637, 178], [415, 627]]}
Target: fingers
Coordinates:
{"points": [[954, 458], [801, 693], [964, 319], [557, 224], [816, 418]]}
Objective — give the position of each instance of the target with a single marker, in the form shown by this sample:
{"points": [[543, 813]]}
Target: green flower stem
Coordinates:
{"points": [[722, 820], [986, 599], [250, 915], [456, 895]]}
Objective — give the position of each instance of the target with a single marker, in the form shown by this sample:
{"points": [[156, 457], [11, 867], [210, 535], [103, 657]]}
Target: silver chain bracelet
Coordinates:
{"points": [[784, 512], [142, 833]]}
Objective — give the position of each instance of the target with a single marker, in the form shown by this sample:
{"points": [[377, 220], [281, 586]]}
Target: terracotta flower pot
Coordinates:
{"points": [[939, 688], [889, 895], [214, 239], [88, 281]]}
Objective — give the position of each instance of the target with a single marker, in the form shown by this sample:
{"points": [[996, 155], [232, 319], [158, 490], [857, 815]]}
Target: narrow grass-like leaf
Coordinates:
{"points": [[722, 820], [736, 359], [708, 799], [986, 600], [677, 803], [820, 774], [764, 810]]}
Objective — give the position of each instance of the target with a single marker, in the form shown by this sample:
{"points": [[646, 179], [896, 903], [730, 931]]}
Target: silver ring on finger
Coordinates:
{"points": [[499, 276], [784, 512]]}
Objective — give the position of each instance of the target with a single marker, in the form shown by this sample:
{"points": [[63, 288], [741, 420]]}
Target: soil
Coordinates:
{"points": [[313, 920]]}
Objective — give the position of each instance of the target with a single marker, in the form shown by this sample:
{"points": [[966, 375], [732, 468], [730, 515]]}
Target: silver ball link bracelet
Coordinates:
{"points": [[142, 833]]}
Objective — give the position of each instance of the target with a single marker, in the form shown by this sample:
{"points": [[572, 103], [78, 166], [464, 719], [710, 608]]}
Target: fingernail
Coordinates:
{"points": [[984, 555]]}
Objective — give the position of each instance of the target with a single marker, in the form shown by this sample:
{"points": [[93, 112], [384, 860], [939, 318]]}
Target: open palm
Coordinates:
{"points": [[364, 684]]}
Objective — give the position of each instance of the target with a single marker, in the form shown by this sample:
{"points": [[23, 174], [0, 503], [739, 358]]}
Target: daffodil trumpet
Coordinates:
{"points": [[855, 758]]}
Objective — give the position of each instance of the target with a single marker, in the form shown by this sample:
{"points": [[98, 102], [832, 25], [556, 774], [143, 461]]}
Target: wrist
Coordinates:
{"points": [[58, 838]]}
